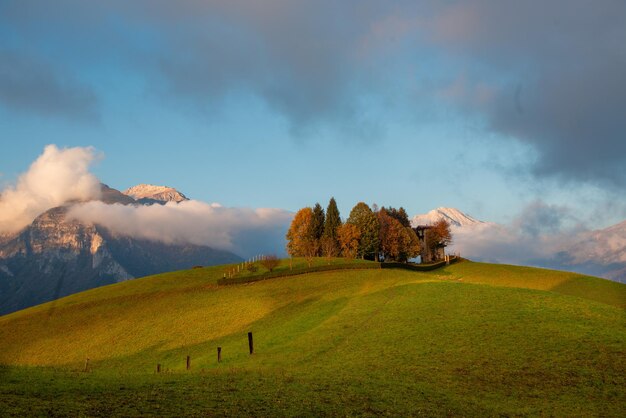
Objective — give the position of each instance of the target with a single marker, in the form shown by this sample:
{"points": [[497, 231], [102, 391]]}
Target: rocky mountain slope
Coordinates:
{"points": [[149, 193], [55, 257]]}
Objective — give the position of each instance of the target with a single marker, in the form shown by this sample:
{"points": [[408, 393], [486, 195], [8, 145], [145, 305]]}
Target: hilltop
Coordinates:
{"points": [[468, 339]]}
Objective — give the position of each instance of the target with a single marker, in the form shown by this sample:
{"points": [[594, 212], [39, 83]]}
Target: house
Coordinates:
{"points": [[427, 254]]}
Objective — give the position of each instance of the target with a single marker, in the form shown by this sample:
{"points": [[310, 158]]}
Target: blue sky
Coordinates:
{"points": [[484, 106]]}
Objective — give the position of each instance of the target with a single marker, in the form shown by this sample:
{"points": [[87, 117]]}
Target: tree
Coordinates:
{"points": [[399, 214], [437, 236], [318, 224], [270, 262], [349, 236], [442, 230], [412, 249], [301, 236], [331, 224], [397, 242], [366, 221], [390, 236], [329, 247]]}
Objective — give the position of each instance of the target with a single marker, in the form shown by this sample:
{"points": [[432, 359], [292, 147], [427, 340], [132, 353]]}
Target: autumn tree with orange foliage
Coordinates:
{"points": [[397, 242], [438, 235], [301, 237], [349, 236]]}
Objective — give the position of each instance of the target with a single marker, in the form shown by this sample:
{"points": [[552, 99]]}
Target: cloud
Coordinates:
{"points": [[538, 234], [56, 177], [549, 74], [557, 76], [308, 62], [61, 176], [35, 86], [247, 232]]}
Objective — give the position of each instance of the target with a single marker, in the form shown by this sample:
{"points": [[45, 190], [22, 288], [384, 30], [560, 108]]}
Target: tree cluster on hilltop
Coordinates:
{"points": [[373, 234]]}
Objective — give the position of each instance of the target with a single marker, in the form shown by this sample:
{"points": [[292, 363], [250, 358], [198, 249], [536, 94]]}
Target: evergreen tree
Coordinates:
{"points": [[403, 217], [318, 226], [318, 221], [366, 221], [400, 215], [333, 221]]}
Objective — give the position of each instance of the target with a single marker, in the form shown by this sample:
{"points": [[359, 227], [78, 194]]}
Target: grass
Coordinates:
{"points": [[470, 339]]}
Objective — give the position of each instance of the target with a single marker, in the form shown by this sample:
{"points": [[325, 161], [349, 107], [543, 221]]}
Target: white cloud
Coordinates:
{"points": [[56, 177], [539, 233], [244, 231]]}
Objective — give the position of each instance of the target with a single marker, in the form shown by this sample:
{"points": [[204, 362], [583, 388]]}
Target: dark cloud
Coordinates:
{"points": [[557, 72], [540, 218], [32, 85], [549, 74]]}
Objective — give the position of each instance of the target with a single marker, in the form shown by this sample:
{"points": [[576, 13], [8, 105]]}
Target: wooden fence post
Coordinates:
{"points": [[188, 362], [250, 343], [219, 354]]}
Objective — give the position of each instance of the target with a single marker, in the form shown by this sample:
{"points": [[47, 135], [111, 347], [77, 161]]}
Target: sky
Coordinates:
{"points": [[492, 107]]}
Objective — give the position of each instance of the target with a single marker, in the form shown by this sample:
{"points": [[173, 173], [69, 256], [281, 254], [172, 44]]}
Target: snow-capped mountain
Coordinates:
{"points": [[455, 218], [149, 193], [55, 256]]}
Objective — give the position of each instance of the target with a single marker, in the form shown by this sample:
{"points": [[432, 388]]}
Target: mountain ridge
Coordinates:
{"points": [[54, 256]]}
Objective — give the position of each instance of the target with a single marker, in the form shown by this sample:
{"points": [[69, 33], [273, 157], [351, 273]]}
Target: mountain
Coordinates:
{"points": [[455, 218], [55, 257], [149, 193], [601, 252]]}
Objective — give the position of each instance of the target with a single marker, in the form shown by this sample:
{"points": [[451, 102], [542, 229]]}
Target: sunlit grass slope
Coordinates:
{"points": [[469, 339]]}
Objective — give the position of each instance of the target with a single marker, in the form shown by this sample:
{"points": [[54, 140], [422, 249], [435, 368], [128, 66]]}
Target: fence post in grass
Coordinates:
{"points": [[188, 362], [86, 364], [219, 354], [158, 368], [250, 343]]}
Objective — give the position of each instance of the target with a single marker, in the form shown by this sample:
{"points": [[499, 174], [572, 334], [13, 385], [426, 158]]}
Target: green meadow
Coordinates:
{"points": [[468, 339]]}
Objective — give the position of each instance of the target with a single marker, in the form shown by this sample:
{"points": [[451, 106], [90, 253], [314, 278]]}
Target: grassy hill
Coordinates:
{"points": [[468, 339]]}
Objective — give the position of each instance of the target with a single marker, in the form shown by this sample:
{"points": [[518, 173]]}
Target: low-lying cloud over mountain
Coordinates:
{"points": [[243, 231], [62, 177], [541, 235]]}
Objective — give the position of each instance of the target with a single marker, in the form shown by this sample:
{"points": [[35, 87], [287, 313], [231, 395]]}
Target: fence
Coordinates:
{"points": [[332, 267]]}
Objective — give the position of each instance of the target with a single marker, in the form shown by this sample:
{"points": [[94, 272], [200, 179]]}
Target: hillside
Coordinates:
{"points": [[471, 339]]}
